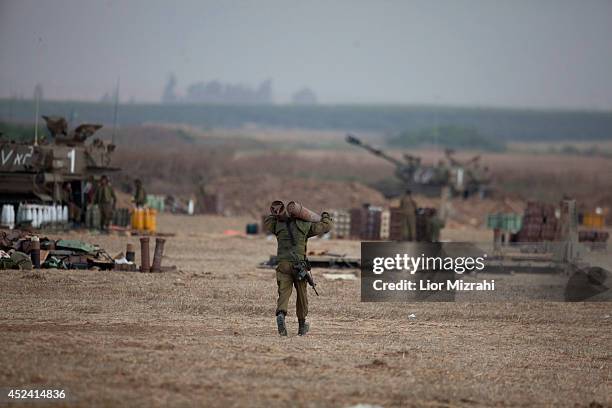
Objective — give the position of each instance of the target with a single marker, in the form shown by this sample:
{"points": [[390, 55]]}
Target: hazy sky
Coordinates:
{"points": [[538, 53]]}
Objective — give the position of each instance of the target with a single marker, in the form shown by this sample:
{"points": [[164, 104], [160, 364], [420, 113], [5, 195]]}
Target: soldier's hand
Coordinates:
{"points": [[325, 214]]}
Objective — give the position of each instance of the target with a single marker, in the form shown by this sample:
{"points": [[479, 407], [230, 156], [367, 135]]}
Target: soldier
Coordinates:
{"points": [[409, 208], [140, 195], [291, 235], [433, 225], [106, 200], [89, 190], [74, 212]]}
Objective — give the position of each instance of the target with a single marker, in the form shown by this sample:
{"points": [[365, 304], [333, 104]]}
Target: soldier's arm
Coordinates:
{"points": [[321, 227], [269, 224]]}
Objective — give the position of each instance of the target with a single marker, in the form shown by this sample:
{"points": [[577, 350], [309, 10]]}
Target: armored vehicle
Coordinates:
{"points": [[430, 179], [55, 169]]}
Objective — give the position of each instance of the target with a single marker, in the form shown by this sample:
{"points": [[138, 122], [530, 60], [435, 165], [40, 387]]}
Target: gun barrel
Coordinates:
{"points": [[311, 282], [354, 141]]}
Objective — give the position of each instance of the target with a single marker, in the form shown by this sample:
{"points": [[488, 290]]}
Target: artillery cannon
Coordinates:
{"points": [[429, 179]]}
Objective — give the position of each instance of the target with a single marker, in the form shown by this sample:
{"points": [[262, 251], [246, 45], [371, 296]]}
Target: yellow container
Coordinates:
{"points": [[138, 218], [593, 220], [133, 218], [150, 219], [598, 220], [586, 219]]}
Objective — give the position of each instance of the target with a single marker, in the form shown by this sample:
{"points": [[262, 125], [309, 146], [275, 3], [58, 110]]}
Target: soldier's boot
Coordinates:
{"points": [[303, 327], [280, 322]]}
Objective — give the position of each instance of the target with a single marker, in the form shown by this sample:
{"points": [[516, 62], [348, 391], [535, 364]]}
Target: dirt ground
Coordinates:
{"points": [[205, 335]]}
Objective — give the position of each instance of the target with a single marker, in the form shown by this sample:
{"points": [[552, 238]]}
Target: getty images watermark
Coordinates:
{"points": [[413, 264], [451, 272]]}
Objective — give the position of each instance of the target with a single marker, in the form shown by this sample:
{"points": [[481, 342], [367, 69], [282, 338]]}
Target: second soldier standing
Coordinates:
{"points": [[140, 196], [409, 210], [106, 200]]}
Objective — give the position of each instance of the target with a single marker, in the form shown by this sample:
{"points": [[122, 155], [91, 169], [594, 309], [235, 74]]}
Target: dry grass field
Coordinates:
{"points": [[205, 336]]}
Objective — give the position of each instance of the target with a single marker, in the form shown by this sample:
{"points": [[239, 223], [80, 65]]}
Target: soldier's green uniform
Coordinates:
{"points": [[106, 199], [409, 208], [434, 226], [292, 235], [140, 196]]}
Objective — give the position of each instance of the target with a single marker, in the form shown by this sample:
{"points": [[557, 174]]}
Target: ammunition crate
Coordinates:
{"points": [[365, 223], [396, 221], [593, 236], [342, 224], [505, 222], [385, 225], [539, 223]]}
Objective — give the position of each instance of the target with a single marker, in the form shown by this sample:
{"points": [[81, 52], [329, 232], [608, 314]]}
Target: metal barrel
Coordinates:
{"points": [[297, 210], [35, 253], [159, 252], [144, 254], [130, 255]]}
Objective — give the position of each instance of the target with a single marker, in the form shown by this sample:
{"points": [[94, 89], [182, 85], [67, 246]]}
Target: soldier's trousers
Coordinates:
{"points": [[106, 215], [285, 281], [409, 229]]}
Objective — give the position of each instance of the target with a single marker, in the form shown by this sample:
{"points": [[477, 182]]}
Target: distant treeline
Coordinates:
{"points": [[499, 124], [453, 137], [591, 151], [21, 132]]}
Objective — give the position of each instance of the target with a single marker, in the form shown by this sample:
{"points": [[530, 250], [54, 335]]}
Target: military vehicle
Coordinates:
{"points": [[462, 178], [476, 177], [56, 168]]}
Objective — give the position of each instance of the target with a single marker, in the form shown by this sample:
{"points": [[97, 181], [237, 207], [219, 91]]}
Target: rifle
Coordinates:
{"points": [[302, 271]]}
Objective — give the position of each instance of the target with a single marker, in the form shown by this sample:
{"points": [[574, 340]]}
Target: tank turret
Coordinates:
{"points": [[39, 172]]}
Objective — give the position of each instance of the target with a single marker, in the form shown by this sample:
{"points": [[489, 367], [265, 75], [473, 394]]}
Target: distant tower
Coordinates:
{"points": [[304, 96], [38, 92], [169, 95]]}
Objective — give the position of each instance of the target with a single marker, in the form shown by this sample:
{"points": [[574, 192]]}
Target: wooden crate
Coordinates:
{"points": [[365, 223], [342, 224]]}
